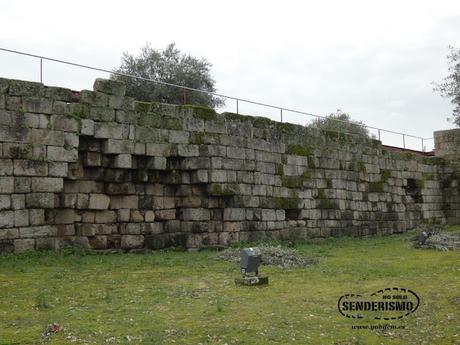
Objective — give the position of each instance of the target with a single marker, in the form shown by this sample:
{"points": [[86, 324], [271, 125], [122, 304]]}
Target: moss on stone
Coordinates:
{"points": [[376, 187], [79, 110], [311, 162], [279, 169], [385, 175], [223, 190], [287, 128], [142, 107], [262, 122], [306, 174], [287, 203], [420, 184], [201, 112], [324, 202], [169, 122], [237, 117], [298, 150], [150, 120], [292, 181]]}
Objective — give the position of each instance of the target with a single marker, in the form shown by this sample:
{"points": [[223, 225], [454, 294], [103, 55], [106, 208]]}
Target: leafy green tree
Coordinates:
{"points": [[341, 122], [450, 85], [170, 66]]}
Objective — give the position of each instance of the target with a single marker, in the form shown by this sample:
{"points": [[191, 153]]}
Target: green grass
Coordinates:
{"points": [[171, 297]]}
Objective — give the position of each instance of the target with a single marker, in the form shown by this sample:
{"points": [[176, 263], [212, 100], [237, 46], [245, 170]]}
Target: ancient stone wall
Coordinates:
{"points": [[101, 170]]}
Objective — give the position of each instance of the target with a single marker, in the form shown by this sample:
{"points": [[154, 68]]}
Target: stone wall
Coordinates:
{"points": [[100, 170]]}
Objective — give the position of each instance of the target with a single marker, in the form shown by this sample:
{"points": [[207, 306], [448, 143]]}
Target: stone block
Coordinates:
{"points": [[46, 137], [136, 216], [18, 201], [62, 154], [47, 184], [87, 127], [98, 242], [25, 88], [187, 150], [110, 87], [218, 175], [40, 200], [57, 169], [98, 202], [92, 159], [37, 231], [5, 202], [37, 105], [149, 216], [64, 123], [6, 185], [123, 215], [9, 234], [23, 245], [6, 167], [195, 214], [111, 146], [58, 93], [178, 137], [161, 150], [157, 163], [103, 114], [123, 161], [36, 217], [71, 140], [45, 244], [167, 214], [21, 218], [122, 202], [199, 176], [30, 168], [94, 98], [132, 241], [234, 214], [6, 219], [108, 130]]}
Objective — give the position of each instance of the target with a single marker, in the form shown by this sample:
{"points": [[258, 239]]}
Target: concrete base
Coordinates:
{"points": [[251, 281]]}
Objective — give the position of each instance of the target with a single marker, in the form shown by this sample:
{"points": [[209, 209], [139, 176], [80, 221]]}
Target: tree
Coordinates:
{"points": [[170, 66], [450, 85], [341, 122]]}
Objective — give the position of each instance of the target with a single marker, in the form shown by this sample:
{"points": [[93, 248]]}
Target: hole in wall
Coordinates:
{"points": [[414, 190], [292, 214]]}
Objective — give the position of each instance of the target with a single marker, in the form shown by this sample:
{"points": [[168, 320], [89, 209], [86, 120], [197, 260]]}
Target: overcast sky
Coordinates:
{"points": [[375, 60]]}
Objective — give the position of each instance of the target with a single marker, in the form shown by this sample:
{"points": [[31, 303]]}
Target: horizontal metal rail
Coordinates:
{"points": [[236, 99]]}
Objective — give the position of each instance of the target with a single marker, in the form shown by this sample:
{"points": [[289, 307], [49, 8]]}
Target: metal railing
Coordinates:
{"points": [[282, 110]]}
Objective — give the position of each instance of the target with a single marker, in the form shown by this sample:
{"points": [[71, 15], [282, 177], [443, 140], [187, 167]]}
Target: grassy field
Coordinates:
{"points": [[172, 297]]}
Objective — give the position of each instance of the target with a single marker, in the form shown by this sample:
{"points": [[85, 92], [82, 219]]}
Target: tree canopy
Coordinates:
{"points": [[341, 122], [450, 85], [169, 66]]}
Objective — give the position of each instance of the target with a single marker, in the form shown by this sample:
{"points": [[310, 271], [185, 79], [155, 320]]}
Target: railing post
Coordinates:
{"points": [[423, 146], [379, 134], [184, 96], [281, 109], [41, 70], [404, 141], [237, 110]]}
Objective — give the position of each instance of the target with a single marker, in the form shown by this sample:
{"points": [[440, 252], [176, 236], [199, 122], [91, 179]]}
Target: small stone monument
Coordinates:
{"points": [[249, 266]]}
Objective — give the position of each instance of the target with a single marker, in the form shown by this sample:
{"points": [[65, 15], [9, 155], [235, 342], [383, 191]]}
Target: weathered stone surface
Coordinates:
{"points": [[23, 245], [6, 185], [40, 200], [132, 241], [98, 202], [96, 169], [111, 87], [47, 184]]}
